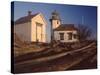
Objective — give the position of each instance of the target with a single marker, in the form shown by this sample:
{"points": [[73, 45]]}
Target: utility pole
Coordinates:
{"points": [[82, 20]]}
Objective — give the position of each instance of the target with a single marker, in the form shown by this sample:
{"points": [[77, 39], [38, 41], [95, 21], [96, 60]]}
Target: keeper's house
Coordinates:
{"points": [[66, 33], [62, 32]]}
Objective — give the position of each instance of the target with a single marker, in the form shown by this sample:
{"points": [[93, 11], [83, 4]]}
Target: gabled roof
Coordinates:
{"points": [[25, 19], [66, 27]]}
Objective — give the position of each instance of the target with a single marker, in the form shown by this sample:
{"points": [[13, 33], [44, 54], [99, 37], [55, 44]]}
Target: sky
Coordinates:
{"points": [[69, 14]]}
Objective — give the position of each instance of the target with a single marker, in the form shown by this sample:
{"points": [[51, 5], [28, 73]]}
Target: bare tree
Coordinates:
{"points": [[84, 32]]}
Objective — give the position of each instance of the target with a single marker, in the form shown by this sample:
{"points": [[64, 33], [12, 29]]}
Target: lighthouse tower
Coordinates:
{"points": [[55, 22]]}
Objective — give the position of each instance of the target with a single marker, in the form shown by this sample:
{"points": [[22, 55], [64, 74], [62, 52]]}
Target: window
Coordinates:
{"points": [[61, 36], [70, 36], [75, 36], [38, 24]]}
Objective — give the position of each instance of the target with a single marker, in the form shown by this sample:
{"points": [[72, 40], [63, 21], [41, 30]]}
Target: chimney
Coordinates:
{"points": [[29, 13]]}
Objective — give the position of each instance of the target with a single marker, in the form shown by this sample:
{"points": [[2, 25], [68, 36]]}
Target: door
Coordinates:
{"points": [[38, 32]]}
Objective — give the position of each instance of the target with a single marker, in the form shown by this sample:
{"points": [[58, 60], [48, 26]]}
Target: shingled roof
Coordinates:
{"points": [[66, 27], [25, 19]]}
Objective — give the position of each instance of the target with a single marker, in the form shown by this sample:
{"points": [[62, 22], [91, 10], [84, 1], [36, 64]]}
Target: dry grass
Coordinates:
{"points": [[28, 49]]}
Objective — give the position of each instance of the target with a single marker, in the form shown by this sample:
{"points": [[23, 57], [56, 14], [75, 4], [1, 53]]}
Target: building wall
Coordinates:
{"points": [[55, 23], [23, 31], [38, 19], [57, 36]]}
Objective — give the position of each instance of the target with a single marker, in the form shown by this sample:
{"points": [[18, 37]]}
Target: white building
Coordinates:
{"points": [[31, 28], [62, 32], [66, 33]]}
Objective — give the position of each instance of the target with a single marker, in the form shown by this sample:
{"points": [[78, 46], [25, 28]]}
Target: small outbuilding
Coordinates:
{"points": [[31, 28]]}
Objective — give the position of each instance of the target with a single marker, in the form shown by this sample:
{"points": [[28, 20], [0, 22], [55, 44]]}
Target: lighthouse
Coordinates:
{"points": [[55, 22]]}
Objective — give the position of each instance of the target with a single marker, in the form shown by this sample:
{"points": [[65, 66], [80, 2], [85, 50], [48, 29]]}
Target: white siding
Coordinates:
{"points": [[38, 19], [23, 31], [57, 36]]}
